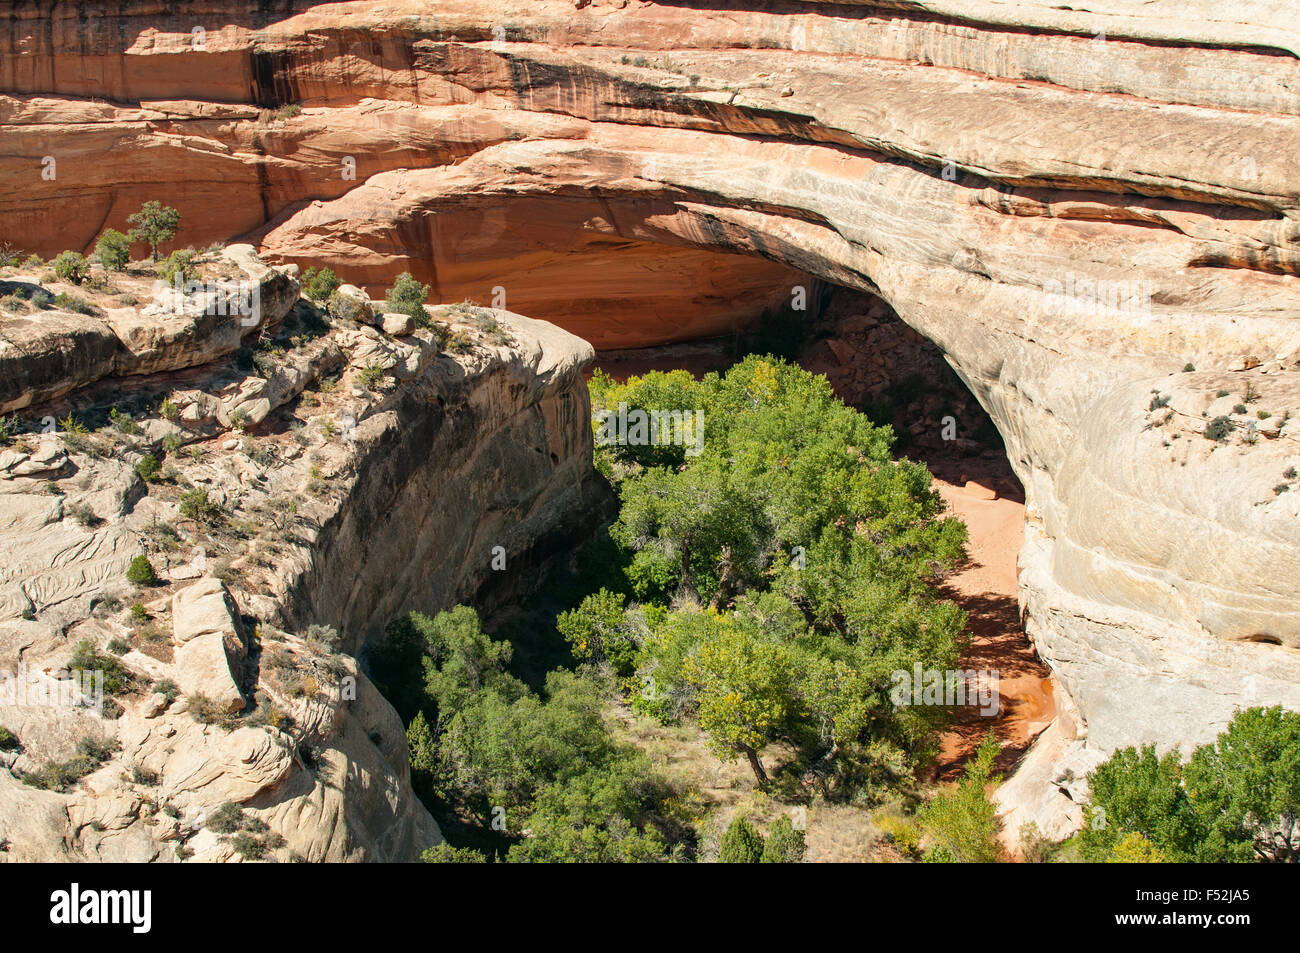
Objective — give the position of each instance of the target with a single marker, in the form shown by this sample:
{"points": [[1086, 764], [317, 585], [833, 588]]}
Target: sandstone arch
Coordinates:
{"points": [[957, 157]]}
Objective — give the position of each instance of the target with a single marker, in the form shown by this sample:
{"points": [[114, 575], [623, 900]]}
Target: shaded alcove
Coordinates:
{"points": [[875, 362]]}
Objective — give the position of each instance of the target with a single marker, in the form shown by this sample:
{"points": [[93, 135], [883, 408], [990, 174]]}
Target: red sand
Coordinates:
{"points": [[985, 586]]}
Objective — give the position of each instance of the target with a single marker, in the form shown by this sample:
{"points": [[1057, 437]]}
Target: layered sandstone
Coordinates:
{"points": [[1073, 204], [347, 476]]}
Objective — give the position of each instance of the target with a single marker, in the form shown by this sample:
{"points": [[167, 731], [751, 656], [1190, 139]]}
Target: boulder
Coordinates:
{"points": [[209, 643], [397, 325], [46, 355], [350, 303]]}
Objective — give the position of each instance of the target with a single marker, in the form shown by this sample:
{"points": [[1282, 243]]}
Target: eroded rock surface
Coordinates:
{"points": [[1095, 213], [343, 477]]}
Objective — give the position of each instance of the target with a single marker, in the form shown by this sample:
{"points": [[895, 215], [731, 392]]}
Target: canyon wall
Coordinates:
{"points": [[1094, 213], [319, 475]]}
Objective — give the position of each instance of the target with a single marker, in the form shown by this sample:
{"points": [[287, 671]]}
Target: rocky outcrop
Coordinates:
{"points": [[53, 352], [209, 644], [1094, 213], [369, 476], [477, 472]]}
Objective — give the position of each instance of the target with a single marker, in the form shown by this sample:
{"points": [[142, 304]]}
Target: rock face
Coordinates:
{"points": [[476, 472], [1095, 214], [209, 646], [344, 498], [48, 354]]}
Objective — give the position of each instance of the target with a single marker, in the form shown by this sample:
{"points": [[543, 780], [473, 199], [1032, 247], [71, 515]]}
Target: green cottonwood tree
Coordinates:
{"points": [[744, 691]]}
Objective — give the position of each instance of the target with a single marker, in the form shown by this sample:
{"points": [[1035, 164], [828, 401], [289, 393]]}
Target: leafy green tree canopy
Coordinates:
{"points": [[154, 224], [1237, 799], [113, 250]]}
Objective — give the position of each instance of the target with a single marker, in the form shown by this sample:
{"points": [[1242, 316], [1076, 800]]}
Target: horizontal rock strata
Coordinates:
{"points": [[1095, 214]]}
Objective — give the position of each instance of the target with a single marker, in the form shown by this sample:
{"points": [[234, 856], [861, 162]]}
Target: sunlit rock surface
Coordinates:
{"points": [[1076, 205]]}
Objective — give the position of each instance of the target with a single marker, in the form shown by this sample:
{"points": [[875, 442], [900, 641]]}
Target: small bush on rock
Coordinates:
{"points": [[113, 250], [148, 468], [196, 505], [141, 572], [319, 284], [179, 267], [1219, 428], [72, 303], [86, 658], [71, 267], [408, 296], [59, 776]]}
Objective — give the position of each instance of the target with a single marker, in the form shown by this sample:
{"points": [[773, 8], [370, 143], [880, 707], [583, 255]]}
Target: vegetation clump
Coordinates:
{"points": [[74, 303], [196, 505], [180, 267], [153, 225], [207, 711], [141, 572], [785, 843], [770, 568], [149, 468], [772, 542], [741, 843], [113, 249], [86, 659], [407, 296], [71, 266], [1219, 428], [319, 284], [960, 826], [60, 776], [248, 836], [485, 746], [1237, 799], [444, 853]]}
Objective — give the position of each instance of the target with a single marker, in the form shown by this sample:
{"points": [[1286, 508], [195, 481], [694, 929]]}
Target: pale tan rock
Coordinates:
{"points": [[154, 705], [44, 356], [352, 304], [524, 397], [10, 459], [201, 609], [210, 644], [398, 325], [50, 456]]}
